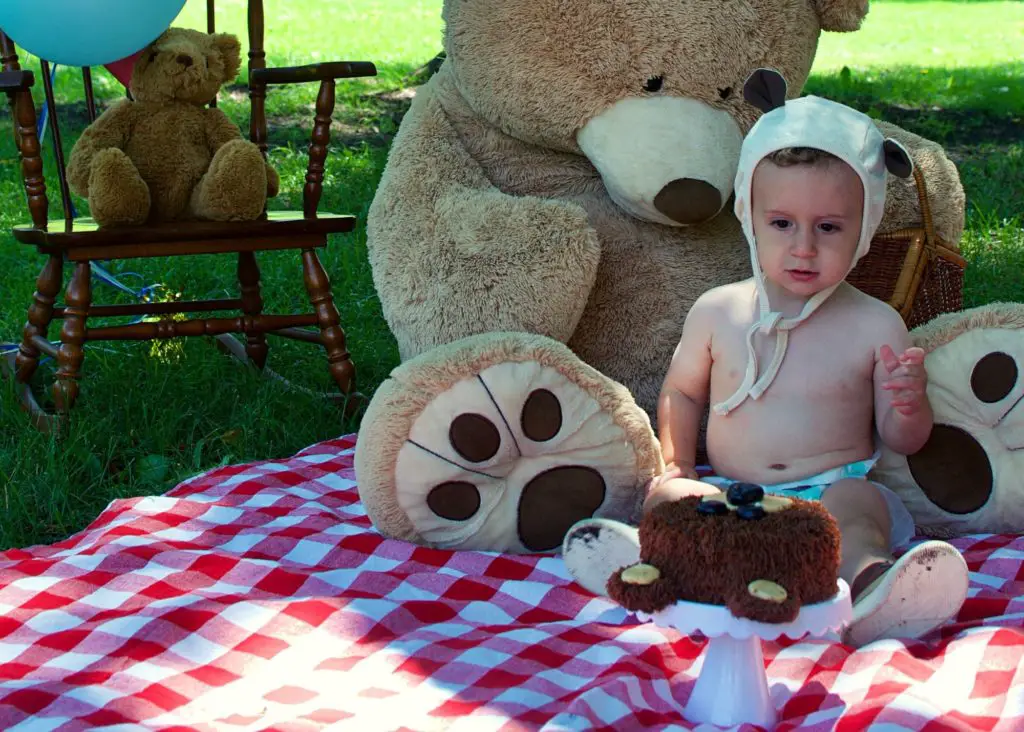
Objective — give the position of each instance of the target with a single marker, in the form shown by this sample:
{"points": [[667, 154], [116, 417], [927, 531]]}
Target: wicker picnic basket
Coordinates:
{"points": [[913, 269]]}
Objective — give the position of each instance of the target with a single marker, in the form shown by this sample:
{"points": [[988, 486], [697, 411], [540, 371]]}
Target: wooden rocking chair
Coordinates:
{"points": [[81, 242]]}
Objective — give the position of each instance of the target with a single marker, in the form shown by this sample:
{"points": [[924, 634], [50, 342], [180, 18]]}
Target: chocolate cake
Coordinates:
{"points": [[762, 556]]}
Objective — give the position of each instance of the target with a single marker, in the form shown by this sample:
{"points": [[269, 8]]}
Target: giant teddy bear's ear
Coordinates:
{"points": [[230, 51], [897, 159], [765, 89], [841, 15]]}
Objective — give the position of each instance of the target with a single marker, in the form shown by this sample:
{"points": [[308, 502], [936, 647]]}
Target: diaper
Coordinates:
{"points": [[901, 529]]}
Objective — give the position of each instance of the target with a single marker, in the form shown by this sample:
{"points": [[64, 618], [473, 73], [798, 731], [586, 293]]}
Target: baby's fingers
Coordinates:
{"points": [[907, 409], [888, 358], [913, 355], [901, 383]]}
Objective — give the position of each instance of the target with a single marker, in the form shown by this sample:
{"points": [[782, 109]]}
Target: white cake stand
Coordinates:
{"points": [[732, 687]]}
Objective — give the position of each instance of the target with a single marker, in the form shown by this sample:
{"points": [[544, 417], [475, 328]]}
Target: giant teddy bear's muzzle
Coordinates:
{"points": [[670, 160]]}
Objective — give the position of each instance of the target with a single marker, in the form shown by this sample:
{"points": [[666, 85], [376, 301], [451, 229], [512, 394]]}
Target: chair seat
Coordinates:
{"points": [[279, 229]]}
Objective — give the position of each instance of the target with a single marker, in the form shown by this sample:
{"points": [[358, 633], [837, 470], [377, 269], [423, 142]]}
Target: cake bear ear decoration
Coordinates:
{"points": [[897, 159], [765, 89]]}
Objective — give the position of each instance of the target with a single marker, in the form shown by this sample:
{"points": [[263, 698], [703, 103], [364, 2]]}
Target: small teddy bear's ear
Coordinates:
{"points": [[765, 89], [230, 51], [897, 159], [841, 15]]}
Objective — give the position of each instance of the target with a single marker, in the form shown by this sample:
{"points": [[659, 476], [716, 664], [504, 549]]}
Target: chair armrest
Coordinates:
{"points": [[14, 81], [313, 72]]}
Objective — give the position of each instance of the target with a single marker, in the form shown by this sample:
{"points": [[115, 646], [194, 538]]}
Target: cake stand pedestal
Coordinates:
{"points": [[732, 687]]}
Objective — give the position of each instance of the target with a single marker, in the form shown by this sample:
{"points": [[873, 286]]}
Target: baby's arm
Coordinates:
{"points": [[684, 393], [903, 414]]}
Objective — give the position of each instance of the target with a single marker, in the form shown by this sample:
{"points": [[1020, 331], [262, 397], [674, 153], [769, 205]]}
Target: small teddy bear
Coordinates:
{"points": [[165, 155]]}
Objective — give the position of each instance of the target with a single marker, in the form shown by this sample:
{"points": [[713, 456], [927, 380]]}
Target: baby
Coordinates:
{"points": [[810, 193]]}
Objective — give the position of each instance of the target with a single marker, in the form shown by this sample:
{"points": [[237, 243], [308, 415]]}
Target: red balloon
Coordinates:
{"points": [[122, 69]]}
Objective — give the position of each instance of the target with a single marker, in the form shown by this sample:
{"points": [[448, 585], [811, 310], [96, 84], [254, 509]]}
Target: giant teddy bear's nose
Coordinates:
{"points": [[184, 59], [688, 201]]}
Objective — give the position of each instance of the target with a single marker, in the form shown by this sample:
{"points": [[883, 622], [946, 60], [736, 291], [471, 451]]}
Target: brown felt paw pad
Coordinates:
{"points": [[511, 458]]}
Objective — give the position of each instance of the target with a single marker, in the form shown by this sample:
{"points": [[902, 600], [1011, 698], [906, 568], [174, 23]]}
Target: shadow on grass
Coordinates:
{"points": [[958, 106], [147, 421], [361, 103], [976, 113]]}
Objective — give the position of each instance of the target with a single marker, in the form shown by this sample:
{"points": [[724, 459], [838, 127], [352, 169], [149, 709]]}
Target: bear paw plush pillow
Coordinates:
{"points": [[969, 477], [501, 442]]}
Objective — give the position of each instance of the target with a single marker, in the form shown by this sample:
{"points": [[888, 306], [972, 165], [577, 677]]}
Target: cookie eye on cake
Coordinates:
{"points": [[748, 500]]}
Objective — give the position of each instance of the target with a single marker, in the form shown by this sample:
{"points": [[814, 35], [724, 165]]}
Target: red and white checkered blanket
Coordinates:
{"points": [[259, 597]]}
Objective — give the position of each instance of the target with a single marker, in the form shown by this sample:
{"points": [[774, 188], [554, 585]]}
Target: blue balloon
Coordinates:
{"points": [[86, 32]]}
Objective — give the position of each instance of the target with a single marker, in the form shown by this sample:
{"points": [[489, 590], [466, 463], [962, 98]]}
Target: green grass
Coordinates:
{"points": [[152, 415], [949, 71]]}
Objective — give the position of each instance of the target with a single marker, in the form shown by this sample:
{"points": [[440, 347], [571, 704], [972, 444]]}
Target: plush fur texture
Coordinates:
{"points": [[413, 386], [968, 477], [167, 156], [841, 15], [557, 180], [713, 559]]}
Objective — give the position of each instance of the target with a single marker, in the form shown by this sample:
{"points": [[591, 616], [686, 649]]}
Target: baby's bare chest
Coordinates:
{"points": [[824, 360]]}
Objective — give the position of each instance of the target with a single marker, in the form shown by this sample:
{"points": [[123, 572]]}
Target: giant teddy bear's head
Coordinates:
{"points": [[185, 65], [586, 75], [969, 476]]}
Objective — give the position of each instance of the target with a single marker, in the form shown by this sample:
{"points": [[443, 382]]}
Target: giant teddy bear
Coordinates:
{"points": [[567, 174]]}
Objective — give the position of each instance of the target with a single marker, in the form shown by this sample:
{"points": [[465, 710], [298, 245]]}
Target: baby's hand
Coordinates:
{"points": [[672, 471], [907, 378]]}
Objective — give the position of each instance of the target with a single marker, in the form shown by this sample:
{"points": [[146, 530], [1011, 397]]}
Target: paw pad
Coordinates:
{"points": [[512, 457]]}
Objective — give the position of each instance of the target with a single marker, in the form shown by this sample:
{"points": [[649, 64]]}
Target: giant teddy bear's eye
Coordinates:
{"points": [[994, 377], [654, 84]]}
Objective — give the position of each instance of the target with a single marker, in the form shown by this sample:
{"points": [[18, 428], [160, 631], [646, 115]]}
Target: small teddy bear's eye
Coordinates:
{"points": [[654, 84], [725, 93]]}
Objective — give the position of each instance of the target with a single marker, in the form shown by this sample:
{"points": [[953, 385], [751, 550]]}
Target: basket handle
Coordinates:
{"points": [[926, 211], [934, 246]]}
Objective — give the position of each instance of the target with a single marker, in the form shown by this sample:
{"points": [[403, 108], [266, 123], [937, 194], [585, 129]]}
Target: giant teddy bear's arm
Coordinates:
{"points": [[942, 181], [452, 255], [112, 129]]}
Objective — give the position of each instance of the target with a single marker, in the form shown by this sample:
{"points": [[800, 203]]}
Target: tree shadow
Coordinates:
{"points": [[953, 106], [975, 113]]}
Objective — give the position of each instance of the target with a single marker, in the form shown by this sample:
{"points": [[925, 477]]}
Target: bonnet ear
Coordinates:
{"points": [[897, 159], [841, 15], [765, 89]]}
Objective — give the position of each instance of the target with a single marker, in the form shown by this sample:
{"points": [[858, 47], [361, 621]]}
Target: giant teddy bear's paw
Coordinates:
{"points": [[501, 442], [967, 477]]}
